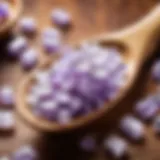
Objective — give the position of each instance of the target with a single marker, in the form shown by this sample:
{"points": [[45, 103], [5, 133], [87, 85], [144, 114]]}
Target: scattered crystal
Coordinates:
{"points": [[28, 25], [60, 17], [156, 124], [132, 127], [156, 71], [17, 46], [29, 59], [51, 33], [7, 121], [146, 108], [51, 45], [6, 96], [88, 144], [25, 153], [116, 146], [4, 11]]}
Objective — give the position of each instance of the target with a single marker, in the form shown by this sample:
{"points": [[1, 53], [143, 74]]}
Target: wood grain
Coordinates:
{"points": [[90, 17]]}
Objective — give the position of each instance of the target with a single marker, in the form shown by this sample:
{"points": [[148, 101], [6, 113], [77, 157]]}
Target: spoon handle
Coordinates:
{"points": [[140, 36]]}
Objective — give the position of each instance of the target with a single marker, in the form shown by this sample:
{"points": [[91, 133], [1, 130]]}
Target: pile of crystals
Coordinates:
{"points": [[79, 83]]}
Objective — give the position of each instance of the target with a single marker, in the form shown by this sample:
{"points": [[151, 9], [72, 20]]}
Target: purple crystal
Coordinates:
{"points": [[60, 17], [85, 86], [4, 11], [116, 146], [42, 93], [68, 85], [146, 108], [17, 46], [47, 109], [7, 121], [51, 45], [64, 116], [63, 98], [29, 59], [156, 124], [77, 107], [27, 25], [25, 153], [157, 98], [156, 71], [51, 40], [6, 96], [51, 33], [132, 127], [88, 144]]}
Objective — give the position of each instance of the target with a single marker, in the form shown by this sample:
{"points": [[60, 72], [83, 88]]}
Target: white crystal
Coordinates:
{"points": [[26, 151], [27, 24], [116, 145], [51, 33], [132, 127], [100, 73], [64, 117], [83, 66], [63, 97], [6, 120], [18, 44], [49, 104]]}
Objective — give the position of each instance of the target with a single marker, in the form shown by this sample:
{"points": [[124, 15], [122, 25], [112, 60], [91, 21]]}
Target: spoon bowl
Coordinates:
{"points": [[136, 42]]}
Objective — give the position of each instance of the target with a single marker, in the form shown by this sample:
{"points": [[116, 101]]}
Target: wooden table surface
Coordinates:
{"points": [[90, 17]]}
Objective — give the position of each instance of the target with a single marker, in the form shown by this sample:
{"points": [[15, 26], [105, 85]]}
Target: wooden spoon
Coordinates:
{"points": [[15, 10], [136, 41]]}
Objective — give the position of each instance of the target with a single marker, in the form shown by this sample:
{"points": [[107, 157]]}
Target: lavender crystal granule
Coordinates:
{"points": [[156, 124], [6, 96], [116, 146], [146, 108], [28, 25], [60, 17], [156, 71], [51, 33], [4, 11], [7, 121], [47, 109], [88, 144], [29, 59], [17, 46], [25, 153], [51, 45], [132, 127], [64, 116]]}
